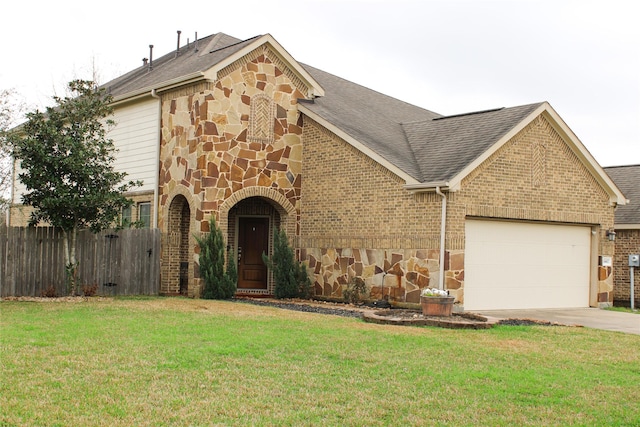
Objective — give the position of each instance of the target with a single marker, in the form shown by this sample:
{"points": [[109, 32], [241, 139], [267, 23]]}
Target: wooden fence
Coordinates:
{"points": [[123, 262]]}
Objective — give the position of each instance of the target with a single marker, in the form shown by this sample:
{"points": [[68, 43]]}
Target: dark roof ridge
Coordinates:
{"points": [[234, 44], [621, 166], [367, 88], [471, 113]]}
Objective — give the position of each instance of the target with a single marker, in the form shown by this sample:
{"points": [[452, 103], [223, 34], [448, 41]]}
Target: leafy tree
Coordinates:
{"points": [[291, 280], [67, 166], [218, 283], [10, 112]]}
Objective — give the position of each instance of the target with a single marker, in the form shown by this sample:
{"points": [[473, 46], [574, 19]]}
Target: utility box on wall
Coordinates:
{"points": [[634, 260]]}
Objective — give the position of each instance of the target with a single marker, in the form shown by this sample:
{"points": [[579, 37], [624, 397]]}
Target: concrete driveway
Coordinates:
{"points": [[588, 317]]}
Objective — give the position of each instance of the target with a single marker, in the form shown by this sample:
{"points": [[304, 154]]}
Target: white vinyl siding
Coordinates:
{"points": [[518, 265], [18, 187], [136, 138]]}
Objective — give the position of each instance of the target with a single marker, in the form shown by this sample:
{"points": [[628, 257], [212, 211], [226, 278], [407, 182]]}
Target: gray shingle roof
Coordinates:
{"points": [[423, 144], [370, 117], [444, 146], [627, 178], [211, 50]]}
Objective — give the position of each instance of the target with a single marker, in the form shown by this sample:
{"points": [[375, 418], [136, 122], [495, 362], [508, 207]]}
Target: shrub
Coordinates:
{"points": [[290, 276], [218, 284], [356, 291], [89, 290], [50, 292]]}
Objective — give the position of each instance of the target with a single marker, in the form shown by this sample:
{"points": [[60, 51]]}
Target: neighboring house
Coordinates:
{"points": [[627, 228], [505, 208]]}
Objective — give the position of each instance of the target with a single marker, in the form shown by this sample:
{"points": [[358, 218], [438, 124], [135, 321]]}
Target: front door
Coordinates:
{"points": [[253, 241]]}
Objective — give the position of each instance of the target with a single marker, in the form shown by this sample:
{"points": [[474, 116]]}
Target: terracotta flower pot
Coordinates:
{"points": [[437, 306]]}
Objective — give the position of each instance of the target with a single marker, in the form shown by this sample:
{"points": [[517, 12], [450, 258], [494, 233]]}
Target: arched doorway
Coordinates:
{"points": [[178, 251], [251, 224]]}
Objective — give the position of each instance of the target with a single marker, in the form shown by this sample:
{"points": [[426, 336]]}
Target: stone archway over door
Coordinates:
{"points": [[178, 250], [251, 224]]}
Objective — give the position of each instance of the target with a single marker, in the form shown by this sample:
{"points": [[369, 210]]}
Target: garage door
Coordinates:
{"points": [[511, 265]]}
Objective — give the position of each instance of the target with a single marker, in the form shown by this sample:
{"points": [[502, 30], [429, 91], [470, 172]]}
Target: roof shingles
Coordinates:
{"points": [[627, 178], [423, 144]]}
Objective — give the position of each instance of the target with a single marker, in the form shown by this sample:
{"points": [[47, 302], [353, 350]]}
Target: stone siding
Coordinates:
{"points": [[229, 138]]}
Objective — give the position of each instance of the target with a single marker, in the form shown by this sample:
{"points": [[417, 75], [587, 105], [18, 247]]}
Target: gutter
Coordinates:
{"points": [[437, 187], [158, 142], [443, 229], [428, 187], [166, 85]]}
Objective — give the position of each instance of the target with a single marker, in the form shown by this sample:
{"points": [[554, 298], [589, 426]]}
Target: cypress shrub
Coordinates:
{"points": [[218, 284], [290, 276]]}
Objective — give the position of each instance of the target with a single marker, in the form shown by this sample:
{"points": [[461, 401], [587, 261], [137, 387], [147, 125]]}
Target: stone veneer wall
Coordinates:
{"points": [[235, 138], [627, 243], [358, 221], [535, 176]]}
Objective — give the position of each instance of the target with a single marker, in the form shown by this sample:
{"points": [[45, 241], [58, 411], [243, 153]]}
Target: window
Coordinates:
{"points": [[144, 214], [126, 217]]}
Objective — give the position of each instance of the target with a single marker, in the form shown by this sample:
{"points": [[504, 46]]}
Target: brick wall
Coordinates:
{"points": [[627, 242], [357, 219], [536, 176]]}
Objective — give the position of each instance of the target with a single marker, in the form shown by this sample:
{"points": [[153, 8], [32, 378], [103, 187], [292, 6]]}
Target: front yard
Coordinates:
{"points": [[180, 362]]}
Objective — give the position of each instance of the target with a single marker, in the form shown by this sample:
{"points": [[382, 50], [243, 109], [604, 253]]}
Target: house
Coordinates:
{"points": [[505, 208], [627, 228]]}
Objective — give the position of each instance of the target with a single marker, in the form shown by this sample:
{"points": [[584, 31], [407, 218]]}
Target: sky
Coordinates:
{"points": [[448, 56]]}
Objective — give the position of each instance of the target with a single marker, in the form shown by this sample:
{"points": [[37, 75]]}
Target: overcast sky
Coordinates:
{"points": [[453, 56]]}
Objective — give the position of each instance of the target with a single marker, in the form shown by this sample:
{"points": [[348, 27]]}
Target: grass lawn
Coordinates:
{"points": [[625, 310], [182, 362]]}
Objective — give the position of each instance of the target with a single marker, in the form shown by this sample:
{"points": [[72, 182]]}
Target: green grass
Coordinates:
{"points": [[181, 362], [624, 309]]}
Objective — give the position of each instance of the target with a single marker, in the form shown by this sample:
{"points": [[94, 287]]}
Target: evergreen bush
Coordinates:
{"points": [[290, 276], [218, 283]]}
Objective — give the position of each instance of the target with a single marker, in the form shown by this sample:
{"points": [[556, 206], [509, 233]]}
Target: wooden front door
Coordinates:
{"points": [[253, 240]]}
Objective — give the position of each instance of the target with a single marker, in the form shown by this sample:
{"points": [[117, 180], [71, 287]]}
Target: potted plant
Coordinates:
{"points": [[436, 302]]}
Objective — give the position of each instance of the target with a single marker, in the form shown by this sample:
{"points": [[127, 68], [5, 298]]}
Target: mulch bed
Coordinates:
{"points": [[307, 306]]}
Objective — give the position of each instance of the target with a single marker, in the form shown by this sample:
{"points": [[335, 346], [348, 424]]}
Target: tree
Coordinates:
{"points": [[10, 112], [67, 166], [218, 283], [290, 276]]}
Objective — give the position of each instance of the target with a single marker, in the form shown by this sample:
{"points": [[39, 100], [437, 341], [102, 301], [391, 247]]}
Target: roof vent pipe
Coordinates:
{"points": [[178, 46], [150, 57], [144, 62], [196, 41]]}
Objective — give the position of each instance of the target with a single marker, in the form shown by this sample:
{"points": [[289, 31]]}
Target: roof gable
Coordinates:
{"points": [[198, 61], [445, 146], [467, 140], [420, 146]]}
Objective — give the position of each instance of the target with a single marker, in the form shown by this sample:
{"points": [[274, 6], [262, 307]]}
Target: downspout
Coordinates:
{"points": [[156, 208], [443, 229]]}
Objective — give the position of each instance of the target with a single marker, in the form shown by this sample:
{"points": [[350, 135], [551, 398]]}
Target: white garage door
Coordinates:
{"points": [[511, 265]]}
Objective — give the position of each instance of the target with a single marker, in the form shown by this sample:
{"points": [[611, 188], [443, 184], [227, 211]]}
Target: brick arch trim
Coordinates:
{"points": [[288, 214], [178, 191]]}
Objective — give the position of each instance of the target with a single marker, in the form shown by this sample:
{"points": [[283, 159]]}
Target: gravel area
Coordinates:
{"points": [[335, 309]]}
